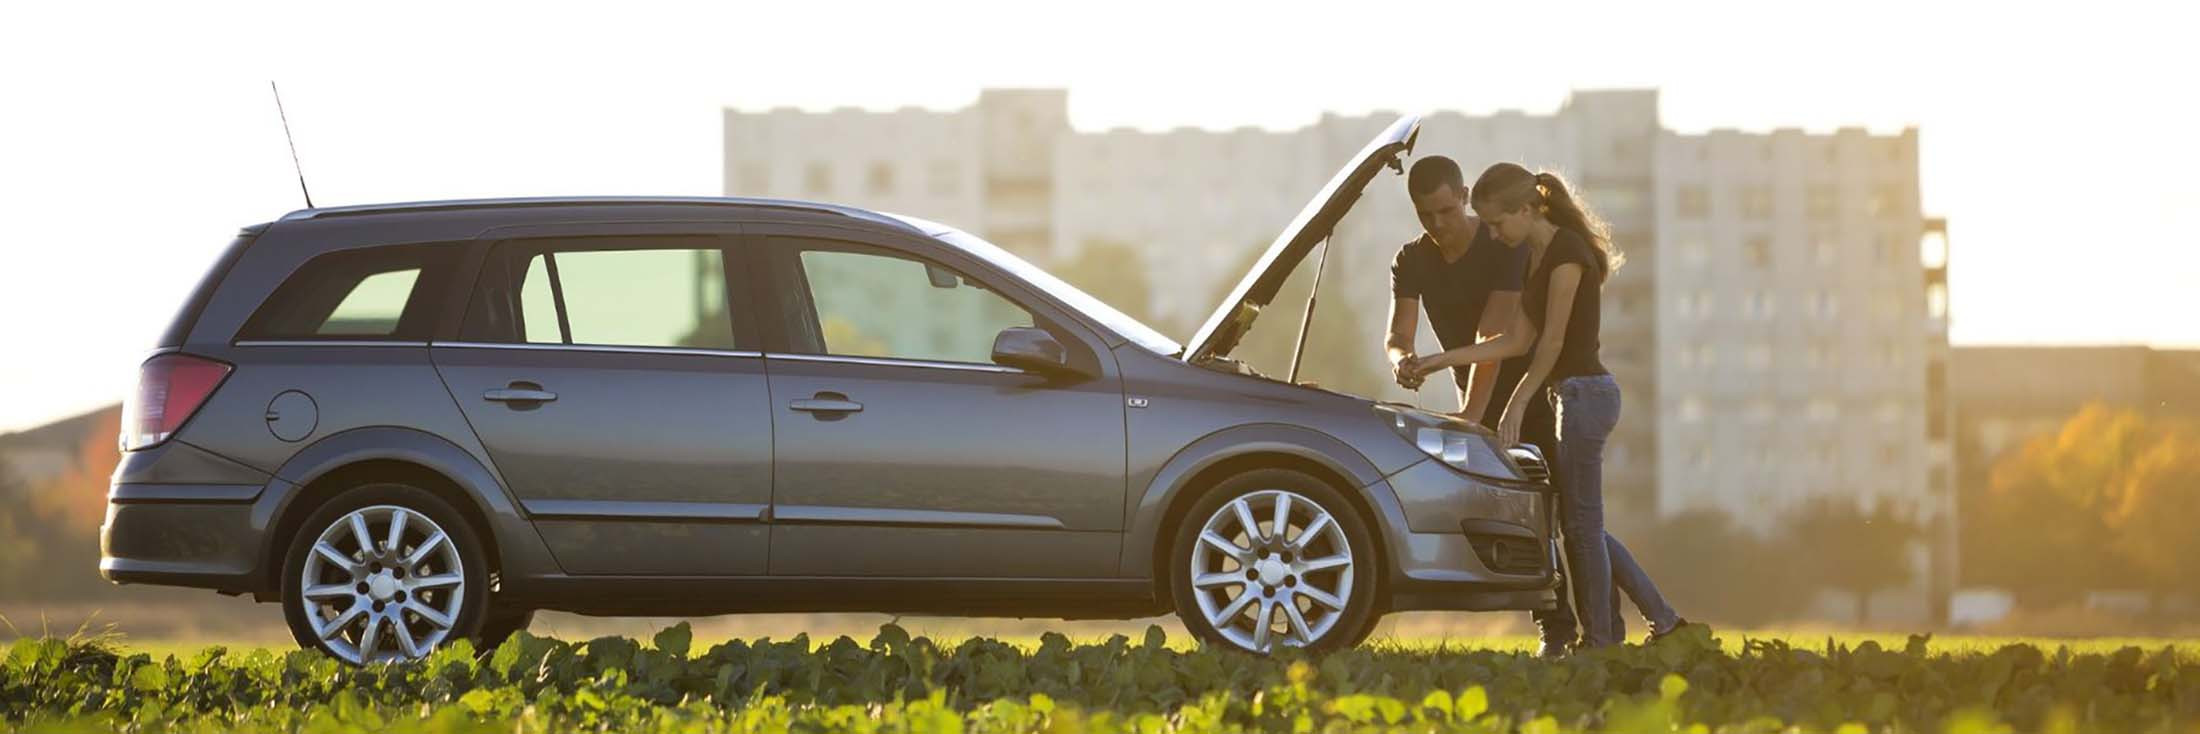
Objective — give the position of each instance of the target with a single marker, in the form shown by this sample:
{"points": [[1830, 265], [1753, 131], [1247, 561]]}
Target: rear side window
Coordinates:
{"points": [[372, 293], [665, 291]]}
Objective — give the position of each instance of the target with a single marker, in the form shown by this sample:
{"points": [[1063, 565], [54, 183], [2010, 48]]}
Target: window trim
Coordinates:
{"points": [[502, 251], [440, 266], [792, 279]]}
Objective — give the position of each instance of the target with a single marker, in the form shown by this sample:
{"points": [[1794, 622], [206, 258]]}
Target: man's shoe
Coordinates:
{"points": [[1554, 650]]}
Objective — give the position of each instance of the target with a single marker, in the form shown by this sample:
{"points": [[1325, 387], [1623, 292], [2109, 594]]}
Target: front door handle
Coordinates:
{"points": [[520, 392], [826, 402]]}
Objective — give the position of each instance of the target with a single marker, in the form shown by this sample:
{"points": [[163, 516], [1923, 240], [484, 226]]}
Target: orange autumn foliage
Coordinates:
{"points": [[78, 497]]}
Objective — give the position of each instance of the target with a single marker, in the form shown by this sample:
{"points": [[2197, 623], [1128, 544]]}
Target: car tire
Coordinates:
{"points": [[500, 625], [362, 601], [1323, 568]]}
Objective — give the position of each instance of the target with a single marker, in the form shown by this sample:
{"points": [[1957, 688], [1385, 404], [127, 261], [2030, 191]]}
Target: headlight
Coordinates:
{"points": [[1445, 438]]}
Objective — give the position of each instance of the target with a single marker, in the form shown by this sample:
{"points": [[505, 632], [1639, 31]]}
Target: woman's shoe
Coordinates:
{"points": [[1679, 623]]}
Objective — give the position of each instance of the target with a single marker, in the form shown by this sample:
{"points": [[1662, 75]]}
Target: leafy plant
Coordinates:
{"points": [[897, 682]]}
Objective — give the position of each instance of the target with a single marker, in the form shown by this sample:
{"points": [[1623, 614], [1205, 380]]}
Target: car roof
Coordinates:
{"points": [[553, 202]]}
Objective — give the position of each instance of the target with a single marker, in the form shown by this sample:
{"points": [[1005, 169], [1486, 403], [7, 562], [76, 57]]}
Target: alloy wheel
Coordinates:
{"points": [[382, 583], [1272, 568]]}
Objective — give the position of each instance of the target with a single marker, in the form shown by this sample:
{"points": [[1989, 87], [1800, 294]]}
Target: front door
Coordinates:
{"points": [[901, 449], [616, 384]]}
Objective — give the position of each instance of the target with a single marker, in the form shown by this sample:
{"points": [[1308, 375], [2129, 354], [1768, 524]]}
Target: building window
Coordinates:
{"points": [[1822, 410], [881, 179], [1760, 410], [1697, 356], [1823, 201], [1885, 306], [1889, 199], [1936, 300], [1816, 355], [1757, 251], [1693, 305], [1889, 411], [1694, 202], [817, 179], [1695, 252], [945, 179], [1758, 306], [1826, 305], [1756, 201], [1823, 249], [1691, 409], [1758, 357], [755, 179]]}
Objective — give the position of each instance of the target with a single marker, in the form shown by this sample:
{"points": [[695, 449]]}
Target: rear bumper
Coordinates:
{"points": [[195, 535]]}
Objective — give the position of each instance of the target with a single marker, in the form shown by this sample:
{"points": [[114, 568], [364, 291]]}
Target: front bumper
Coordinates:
{"points": [[1436, 564]]}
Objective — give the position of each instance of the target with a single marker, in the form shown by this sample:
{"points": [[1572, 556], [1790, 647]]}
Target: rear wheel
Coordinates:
{"points": [[384, 572], [1272, 559]]}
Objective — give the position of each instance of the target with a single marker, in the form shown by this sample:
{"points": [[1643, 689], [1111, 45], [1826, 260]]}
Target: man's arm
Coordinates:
{"points": [[1405, 318], [1474, 398]]}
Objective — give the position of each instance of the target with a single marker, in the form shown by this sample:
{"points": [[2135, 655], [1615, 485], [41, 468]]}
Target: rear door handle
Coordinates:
{"points": [[520, 392], [826, 402]]}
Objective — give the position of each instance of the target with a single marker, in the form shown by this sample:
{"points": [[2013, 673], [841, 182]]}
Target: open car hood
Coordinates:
{"points": [[1234, 317]]}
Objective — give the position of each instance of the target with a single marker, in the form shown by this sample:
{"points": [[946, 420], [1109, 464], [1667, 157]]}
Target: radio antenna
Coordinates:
{"points": [[294, 165]]}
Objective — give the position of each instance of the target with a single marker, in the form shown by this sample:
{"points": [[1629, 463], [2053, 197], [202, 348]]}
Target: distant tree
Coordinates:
{"points": [[18, 551], [1838, 545], [61, 518], [2160, 509], [1115, 273], [2108, 501], [1704, 562], [78, 497], [1343, 347]]}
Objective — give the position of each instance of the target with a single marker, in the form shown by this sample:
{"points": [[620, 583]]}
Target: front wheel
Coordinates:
{"points": [[1272, 559], [384, 572]]}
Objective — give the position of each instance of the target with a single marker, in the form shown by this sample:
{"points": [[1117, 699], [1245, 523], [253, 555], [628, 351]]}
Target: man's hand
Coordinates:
{"points": [[1404, 370]]}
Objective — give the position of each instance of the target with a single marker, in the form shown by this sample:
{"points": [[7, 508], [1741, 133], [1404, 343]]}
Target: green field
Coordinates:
{"points": [[892, 682]]}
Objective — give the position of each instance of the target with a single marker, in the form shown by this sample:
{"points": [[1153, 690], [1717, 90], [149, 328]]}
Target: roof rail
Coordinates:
{"points": [[546, 201]]}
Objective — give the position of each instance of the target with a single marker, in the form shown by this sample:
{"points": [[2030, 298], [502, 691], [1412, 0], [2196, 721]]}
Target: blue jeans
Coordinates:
{"points": [[1586, 409]]}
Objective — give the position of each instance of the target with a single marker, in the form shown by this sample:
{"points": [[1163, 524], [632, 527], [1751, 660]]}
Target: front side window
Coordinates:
{"points": [[372, 293], [666, 292], [870, 304]]}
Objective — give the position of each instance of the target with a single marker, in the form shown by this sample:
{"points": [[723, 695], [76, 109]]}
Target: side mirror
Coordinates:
{"points": [[1029, 348]]}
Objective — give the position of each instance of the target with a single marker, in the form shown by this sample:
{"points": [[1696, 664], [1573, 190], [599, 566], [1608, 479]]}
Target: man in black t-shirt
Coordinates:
{"points": [[1469, 283]]}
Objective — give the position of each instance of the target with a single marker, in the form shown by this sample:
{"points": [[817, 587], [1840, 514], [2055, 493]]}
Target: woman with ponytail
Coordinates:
{"points": [[1570, 256]]}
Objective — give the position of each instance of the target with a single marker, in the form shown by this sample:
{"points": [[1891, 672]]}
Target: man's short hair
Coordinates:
{"points": [[1434, 172]]}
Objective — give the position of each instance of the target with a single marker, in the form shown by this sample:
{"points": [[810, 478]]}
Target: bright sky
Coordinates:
{"points": [[133, 141]]}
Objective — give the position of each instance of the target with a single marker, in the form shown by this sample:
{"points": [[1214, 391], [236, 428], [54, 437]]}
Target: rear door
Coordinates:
{"points": [[901, 450], [612, 372]]}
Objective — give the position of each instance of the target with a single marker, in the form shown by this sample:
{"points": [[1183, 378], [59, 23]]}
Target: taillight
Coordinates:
{"points": [[170, 388]]}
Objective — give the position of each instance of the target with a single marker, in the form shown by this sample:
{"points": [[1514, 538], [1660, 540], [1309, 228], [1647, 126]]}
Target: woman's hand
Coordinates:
{"points": [[1508, 427], [1422, 367]]}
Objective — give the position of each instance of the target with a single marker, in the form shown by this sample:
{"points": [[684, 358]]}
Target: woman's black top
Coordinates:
{"points": [[1578, 356]]}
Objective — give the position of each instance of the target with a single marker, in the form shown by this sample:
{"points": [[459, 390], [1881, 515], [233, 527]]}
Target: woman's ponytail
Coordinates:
{"points": [[1561, 207]]}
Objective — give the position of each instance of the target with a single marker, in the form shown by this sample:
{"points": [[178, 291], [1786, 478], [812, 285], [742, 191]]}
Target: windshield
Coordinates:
{"points": [[1094, 308]]}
